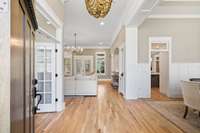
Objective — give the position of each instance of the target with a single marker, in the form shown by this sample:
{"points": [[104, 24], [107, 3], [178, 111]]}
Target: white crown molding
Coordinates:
{"points": [[50, 36], [174, 16], [181, 0], [43, 7]]}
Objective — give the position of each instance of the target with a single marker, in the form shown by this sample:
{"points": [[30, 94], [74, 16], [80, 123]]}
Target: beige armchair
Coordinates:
{"points": [[191, 95]]}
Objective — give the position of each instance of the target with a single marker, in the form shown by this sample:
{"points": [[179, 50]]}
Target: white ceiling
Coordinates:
{"points": [[166, 9], [177, 8], [88, 28]]}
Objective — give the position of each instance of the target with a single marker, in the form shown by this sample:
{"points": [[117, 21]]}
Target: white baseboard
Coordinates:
{"points": [[60, 107], [104, 79]]}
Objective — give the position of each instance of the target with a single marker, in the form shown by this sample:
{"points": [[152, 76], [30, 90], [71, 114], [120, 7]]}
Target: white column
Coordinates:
{"points": [[137, 76], [59, 70], [131, 63]]}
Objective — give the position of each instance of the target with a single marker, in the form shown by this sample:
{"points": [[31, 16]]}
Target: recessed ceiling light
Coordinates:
{"points": [[101, 43], [102, 23]]}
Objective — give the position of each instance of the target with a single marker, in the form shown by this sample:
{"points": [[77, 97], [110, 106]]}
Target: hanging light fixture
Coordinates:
{"points": [[98, 8], [75, 48]]}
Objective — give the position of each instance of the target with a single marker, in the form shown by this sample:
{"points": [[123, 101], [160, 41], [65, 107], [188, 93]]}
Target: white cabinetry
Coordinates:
{"points": [[82, 86]]}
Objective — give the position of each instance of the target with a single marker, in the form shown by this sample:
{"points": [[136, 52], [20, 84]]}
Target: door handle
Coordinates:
{"points": [[36, 95], [36, 108], [34, 82], [122, 74], [38, 102]]}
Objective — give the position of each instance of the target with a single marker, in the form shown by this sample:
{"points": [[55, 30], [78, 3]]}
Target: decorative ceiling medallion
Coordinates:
{"points": [[98, 8]]}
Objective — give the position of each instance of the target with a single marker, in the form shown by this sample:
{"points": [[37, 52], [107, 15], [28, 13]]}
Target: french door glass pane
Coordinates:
{"points": [[40, 75], [41, 86], [48, 86], [48, 98], [48, 75]]}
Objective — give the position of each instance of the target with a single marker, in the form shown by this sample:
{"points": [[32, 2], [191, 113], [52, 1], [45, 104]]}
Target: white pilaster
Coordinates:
{"points": [[131, 62], [59, 70]]}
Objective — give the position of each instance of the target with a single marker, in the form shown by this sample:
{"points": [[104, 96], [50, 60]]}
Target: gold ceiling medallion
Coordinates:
{"points": [[98, 8]]}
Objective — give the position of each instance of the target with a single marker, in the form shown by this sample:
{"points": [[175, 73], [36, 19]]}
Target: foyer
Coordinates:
{"points": [[99, 66], [109, 112]]}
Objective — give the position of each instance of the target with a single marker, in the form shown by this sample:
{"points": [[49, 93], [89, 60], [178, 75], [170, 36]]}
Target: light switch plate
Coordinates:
{"points": [[3, 6]]}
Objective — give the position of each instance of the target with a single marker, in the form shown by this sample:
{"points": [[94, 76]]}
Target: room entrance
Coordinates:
{"points": [[159, 67]]}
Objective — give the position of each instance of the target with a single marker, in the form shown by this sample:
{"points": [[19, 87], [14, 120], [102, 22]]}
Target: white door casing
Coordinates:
{"points": [[168, 42], [121, 70]]}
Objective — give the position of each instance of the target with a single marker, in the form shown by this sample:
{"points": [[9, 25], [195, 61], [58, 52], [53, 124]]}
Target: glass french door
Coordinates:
{"points": [[45, 74]]}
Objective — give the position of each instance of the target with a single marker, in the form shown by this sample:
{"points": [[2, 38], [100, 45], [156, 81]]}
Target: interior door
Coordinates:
{"points": [[45, 74], [22, 43], [121, 71], [17, 68], [28, 78]]}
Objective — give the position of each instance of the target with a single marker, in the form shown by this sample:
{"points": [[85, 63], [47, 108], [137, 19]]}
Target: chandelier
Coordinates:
{"points": [[75, 49], [98, 8]]}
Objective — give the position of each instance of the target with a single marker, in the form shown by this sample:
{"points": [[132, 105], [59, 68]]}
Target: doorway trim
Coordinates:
{"points": [[122, 68], [44, 8], [160, 39]]}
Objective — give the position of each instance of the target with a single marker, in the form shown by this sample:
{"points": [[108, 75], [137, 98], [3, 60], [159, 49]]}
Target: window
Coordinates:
{"points": [[68, 66], [84, 65], [100, 63]]}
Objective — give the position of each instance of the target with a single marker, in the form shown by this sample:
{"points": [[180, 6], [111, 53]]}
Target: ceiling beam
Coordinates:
{"points": [[175, 16], [181, 0]]}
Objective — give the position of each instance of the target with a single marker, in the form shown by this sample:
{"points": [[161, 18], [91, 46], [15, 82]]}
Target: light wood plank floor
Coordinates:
{"points": [[108, 113], [156, 95]]}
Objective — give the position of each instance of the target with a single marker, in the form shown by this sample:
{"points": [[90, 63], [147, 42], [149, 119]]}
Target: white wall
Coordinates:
{"points": [[5, 72], [136, 74], [181, 71], [184, 50], [185, 38]]}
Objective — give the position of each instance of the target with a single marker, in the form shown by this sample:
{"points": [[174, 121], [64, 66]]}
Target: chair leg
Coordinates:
{"points": [[186, 112]]}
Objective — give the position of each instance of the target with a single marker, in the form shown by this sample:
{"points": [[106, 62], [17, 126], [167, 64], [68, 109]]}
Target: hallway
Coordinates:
{"points": [[108, 113]]}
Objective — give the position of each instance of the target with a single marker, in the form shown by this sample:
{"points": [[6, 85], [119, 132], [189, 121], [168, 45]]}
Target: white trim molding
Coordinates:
{"points": [[175, 16]]}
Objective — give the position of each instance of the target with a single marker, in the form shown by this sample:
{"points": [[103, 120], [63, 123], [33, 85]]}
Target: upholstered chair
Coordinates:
{"points": [[191, 95]]}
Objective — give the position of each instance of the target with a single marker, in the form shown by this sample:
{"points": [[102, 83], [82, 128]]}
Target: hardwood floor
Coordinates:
{"points": [[156, 95], [108, 113]]}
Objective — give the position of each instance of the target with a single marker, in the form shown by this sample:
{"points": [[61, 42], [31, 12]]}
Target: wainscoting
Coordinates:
{"points": [[181, 71], [177, 72]]}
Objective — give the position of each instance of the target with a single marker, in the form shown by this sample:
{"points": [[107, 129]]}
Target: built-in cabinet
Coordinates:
{"points": [[80, 85]]}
